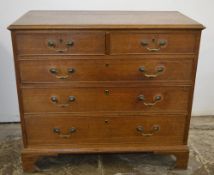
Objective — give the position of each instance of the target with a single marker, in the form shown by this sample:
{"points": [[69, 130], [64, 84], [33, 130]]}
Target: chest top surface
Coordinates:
{"points": [[105, 20]]}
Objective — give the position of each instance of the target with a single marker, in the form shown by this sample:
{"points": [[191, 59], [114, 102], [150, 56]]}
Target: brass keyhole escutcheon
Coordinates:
{"points": [[106, 121], [106, 92]]}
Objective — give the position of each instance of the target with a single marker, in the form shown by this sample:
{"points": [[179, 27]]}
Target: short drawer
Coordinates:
{"points": [[89, 99], [142, 43], [76, 42], [58, 70], [148, 130]]}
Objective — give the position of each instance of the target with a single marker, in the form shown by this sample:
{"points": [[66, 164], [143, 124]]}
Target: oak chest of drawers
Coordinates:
{"points": [[99, 82]]}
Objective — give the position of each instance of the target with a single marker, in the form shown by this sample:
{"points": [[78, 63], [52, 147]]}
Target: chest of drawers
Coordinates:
{"points": [[105, 82]]}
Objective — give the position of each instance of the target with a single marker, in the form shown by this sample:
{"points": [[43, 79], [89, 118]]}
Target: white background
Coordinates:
{"points": [[200, 10]]}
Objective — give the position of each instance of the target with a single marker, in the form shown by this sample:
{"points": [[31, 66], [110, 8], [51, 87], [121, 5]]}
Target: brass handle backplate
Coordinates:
{"points": [[55, 101], [159, 70], [52, 44], [57, 74], [160, 43], [67, 135], [156, 99], [154, 129]]}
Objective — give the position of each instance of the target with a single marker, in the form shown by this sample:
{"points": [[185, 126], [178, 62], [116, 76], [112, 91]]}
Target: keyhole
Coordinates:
{"points": [[60, 40], [106, 92], [106, 121], [153, 40], [107, 65]]}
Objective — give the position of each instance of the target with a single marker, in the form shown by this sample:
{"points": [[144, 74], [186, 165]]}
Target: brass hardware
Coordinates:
{"points": [[71, 98], [70, 131], [106, 92], [161, 43], [142, 69], [52, 44], [106, 121], [156, 99], [153, 49], [155, 129], [71, 70], [144, 43], [62, 50], [159, 70], [62, 77], [140, 129], [55, 71], [56, 130], [55, 101], [141, 97], [70, 43]]}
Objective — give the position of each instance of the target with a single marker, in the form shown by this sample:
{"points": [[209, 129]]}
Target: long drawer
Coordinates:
{"points": [[89, 99], [68, 70], [148, 130], [61, 42], [155, 43]]}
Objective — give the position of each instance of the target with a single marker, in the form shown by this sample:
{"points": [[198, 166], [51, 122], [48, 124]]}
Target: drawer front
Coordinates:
{"points": [[61, 43], [147, 98], [104, 70], [148, 130], [141, 43]]}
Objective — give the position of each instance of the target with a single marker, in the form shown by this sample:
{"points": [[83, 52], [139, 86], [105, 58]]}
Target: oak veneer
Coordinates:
{"points": [[105, 82], [172, 99], [118, 130], [104, 69], [131, 43], [105, 20], [84, 43]]}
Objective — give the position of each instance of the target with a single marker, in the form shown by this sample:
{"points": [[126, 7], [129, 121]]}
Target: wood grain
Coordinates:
{"points": [[105, 130], [33, 71], [84, 43], [105, 56], [173, 100], [130, 43], [105, 19]]}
